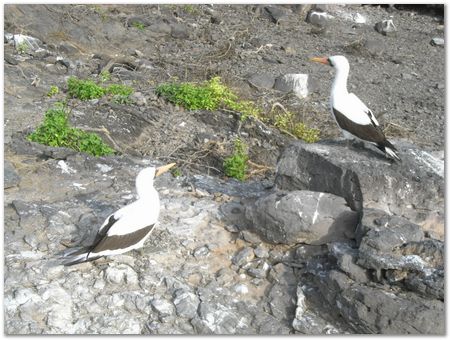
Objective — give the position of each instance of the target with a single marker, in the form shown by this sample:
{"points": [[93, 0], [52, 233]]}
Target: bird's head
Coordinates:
{"points": [[145, 178], [337, 61]]}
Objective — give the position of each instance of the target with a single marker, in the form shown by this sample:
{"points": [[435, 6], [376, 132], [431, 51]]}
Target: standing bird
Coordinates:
{"points": [[353, 117], [128, 227]]}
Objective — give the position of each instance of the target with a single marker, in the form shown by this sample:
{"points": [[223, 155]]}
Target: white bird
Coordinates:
{"points": [[129, 227], [353, 117]]}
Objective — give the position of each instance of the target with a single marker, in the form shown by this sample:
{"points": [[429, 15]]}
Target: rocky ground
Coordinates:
{"points": [[364, 254]]}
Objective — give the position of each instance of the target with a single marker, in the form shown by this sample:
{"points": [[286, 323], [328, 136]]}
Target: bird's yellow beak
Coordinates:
{"points": [[163, 169], [322, 60]]}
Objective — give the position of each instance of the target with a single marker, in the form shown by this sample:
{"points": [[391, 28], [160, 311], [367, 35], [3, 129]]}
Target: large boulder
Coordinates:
{"points": [[413, 188], [302, 216]]}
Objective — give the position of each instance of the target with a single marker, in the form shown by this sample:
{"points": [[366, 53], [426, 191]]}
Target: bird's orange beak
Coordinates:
{"points": [[163, 169], [322, 60]]}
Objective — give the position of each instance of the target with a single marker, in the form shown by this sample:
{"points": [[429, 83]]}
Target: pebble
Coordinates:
{"points": [[257, 272], [250, 237], [407, 76], [318, 18], [201, 251], [121, 274], [240, 288], [99, 284], [139, 99], [162, 307], [243, 256], [261, 252], [232, 228], [386, 27], [437, 42], [186, 303]]}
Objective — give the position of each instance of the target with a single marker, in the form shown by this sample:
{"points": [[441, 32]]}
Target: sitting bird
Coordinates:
{"points": [[128, 227], [352, 116]]}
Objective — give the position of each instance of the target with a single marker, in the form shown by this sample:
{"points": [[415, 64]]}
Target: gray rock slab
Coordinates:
{"points": [[10, 176], [354, 173], [302, 216]]}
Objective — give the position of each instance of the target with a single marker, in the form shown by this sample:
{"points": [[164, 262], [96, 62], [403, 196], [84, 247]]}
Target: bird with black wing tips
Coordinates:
{"points": [[352, 116], [129, 227]]}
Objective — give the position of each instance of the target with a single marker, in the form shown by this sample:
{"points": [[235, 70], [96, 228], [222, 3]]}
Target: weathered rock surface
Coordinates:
{"points": [[302, 217], [412, 189], [204, 271], [392, 268]]}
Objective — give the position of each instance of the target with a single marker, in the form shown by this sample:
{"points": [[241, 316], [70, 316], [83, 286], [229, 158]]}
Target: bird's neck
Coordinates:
{"points": [[147, 193], [340, 82]]}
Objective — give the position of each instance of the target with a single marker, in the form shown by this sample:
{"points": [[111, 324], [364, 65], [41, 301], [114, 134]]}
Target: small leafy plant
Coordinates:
{"points": [[105, 75], [176, 172], [88, 89], [22, 47], [54, 90], [210, 95], [118, 89], [139, 25], [236, 165], [84, 89], [56, 131], [286, 122]]}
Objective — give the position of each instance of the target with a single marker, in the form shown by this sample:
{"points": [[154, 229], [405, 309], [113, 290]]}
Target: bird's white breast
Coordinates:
{"points": [[351, 107]]}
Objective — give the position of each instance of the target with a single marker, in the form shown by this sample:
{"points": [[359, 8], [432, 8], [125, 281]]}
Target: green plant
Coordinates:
{"points": [[84, 89], [22, 47], [210, 95], [105, 75], [236, 165], [118, 89], [121, 99], [192, 9], [176, 172], [309, 135], [56, 131], [54, 90], [285, 122], [87, 89], [139, 25]]}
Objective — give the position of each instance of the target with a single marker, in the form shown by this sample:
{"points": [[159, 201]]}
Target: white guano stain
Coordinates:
{"points": [[316, 213]]}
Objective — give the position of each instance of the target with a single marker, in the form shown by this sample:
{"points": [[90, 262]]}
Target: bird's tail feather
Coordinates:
{"points": [[75, 256], [392, 153], [389, 150]]}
